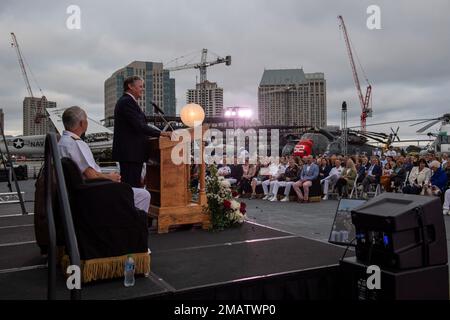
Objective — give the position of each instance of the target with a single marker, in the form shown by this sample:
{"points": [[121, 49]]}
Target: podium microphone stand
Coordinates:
{"points": [[160, 113]]}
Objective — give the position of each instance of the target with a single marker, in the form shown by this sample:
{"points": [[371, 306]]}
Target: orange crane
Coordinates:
{"points": [[365, 101], [42, 101]]}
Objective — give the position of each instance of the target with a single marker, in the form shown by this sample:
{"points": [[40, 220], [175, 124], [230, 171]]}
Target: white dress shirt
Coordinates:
{"points": [[71, 146]]}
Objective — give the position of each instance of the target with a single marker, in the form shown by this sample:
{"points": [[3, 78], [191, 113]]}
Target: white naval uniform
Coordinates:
{"points": [[71, 146]]}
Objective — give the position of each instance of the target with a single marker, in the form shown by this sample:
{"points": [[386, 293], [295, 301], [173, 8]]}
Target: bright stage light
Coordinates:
{"points": [[244, 113], [238, 113]]}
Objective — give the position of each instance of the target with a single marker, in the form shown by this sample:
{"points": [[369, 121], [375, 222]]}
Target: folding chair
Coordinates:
{"points": [[354, 188], [331, 191], [374, 189], [406, 182]]}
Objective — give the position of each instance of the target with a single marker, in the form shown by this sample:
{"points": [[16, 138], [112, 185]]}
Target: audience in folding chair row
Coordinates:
{"points": [[341, 176]]}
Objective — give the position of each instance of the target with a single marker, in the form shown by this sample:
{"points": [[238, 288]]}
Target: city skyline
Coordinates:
{"points": [[406, 61], [159, 87]]}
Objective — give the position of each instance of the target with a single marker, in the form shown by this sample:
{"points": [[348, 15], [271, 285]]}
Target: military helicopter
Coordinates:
{"points": [[329, 141], [442, 141]]}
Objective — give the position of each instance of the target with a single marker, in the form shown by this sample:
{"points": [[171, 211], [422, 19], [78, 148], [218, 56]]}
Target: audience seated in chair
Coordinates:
{"points": [[248, 173], [309, 173], [276, 170], [373, 175], [262, 175], [232, 172], [438, 180], [332, 178], [347, 178], [362, 169], [385, 179], [398, 175], [224, 170], [286, 180], [418, 177], [324, 168]]}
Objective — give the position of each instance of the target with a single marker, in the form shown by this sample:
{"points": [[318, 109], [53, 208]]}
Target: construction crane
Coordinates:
{"points": [[15, 44], [366, 110], [42, 101], [202, 65]]}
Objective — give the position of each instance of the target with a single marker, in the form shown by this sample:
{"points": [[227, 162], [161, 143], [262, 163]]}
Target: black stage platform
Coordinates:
{"points": [[247, 262]]}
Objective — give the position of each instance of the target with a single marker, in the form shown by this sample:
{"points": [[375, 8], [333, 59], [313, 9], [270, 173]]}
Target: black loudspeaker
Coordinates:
{"points": [[400, 231], [430, 283]]}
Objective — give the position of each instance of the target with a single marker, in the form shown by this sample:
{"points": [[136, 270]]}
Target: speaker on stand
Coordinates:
{"points": [[404, 237]]}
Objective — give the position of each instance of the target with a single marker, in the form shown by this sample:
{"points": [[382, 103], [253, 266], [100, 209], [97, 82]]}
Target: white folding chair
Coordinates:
{"points": [[405, 183], [331, 190], [354, 188], [374, 189]]}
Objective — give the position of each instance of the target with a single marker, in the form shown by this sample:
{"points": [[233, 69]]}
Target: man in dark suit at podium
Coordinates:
{"points": [[131, 132]]}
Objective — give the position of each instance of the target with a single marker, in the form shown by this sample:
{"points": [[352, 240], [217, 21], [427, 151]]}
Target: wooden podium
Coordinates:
{"points": [[169, 184]]}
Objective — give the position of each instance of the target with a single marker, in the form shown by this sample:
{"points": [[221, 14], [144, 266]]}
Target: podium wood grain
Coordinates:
{"points": [[169, 184]]}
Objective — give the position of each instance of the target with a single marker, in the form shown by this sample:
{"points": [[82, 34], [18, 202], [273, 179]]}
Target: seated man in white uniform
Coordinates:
{"points": [[71, 146]]}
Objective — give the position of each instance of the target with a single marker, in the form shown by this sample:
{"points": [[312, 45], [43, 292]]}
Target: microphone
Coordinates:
{"points": [[161, 113], [157, 108]]}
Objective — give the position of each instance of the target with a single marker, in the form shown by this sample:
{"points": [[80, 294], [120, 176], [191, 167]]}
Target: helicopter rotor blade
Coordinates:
{"points": [[415, 124], [428, 126], [390, 122], [396, 134]]}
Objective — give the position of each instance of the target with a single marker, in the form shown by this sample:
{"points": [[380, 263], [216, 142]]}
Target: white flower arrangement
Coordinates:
{"points": [[224, 210]]}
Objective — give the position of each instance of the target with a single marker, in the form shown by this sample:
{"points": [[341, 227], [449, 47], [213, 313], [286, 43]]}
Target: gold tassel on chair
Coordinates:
{"points": [[109, 268]]}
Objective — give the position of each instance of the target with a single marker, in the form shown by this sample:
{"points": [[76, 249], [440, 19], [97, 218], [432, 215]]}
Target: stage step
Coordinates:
{"points": [[16, 220], [16, 234], [15, 208], [20, 256]]}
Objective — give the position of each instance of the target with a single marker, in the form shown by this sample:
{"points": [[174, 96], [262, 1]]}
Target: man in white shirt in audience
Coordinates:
{"points": [[332, 178]]}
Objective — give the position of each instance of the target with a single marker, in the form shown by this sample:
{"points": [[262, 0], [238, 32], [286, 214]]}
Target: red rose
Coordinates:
{"points": [[227, 204], [234, 193], [242, 208]]}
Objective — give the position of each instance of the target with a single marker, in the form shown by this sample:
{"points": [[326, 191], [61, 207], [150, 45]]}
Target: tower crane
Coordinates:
{"points": [[365, 101], [202, 65], [39, 114]]}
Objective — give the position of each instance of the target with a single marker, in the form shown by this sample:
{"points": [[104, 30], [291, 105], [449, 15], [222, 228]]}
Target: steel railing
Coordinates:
{"points": [[53, 172]]}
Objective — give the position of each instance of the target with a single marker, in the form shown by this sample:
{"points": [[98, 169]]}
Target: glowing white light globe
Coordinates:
{"points": [[192, 115]]}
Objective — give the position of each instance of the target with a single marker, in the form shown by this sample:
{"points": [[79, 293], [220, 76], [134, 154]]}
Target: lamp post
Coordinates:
{"points": [[193, 115]]}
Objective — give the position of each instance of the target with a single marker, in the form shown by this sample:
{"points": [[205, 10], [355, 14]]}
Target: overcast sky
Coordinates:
{"points": [[407, 61]]}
